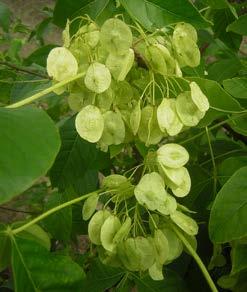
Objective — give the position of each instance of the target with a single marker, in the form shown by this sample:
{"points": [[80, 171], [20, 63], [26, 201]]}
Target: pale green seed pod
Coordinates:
{"points": [[185, 30], [187, 111], [90, 206], [178, 71], [108, 258], [98, 78], [113, 181], [172, 155], [114, 129], [120, 66], [89, 123], [108, 231], [161, 246], [135, 118], [174, 243], [123, 232], [167, 117], [116, 36], [136, 254], [155, 272], [149, 131], [198, 97], [187, 51], [155, 59], [169, 206], [105, 99], [150, 191], [92, 35], [186, 223], [170, 63], [123, 94], [61, 64], [184, 187], [76, 101], [95, 224]]}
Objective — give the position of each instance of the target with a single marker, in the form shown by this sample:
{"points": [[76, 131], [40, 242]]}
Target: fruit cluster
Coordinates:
{"points": [[130, 86], [132, 89]]}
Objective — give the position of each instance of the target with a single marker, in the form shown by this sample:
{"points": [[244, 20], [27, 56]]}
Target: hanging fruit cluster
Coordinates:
{"points": [[131, 90]]}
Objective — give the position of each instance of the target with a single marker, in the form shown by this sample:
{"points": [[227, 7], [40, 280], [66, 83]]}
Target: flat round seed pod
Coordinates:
{"points": [[198, 97], [105, 99], [170, 63], [89, 206], [95, 225], [108, 258], [98, 78], [92, 35], [120, 66], [61, 64], [187, 51], [161, 246], [135, 118], [116, 36], [173, 176], [155, 272], [185, 30], [150, 191], [136, 254], [155, 59], [169, 206], [149, 131], [186, 223], [187, 111], [108, 230], [114, 129], [167, 117], [172, 155], [75, 101], [89, 123], [174, 243], [123, 94], [123, 232], [183, 188], [113, 181]]}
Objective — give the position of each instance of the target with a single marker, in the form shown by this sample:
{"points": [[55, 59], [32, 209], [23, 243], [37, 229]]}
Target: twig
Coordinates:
{"points": [[23, 69], [17, 211]]}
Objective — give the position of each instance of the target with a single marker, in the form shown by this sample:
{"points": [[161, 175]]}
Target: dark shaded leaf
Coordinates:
{"points": [[29, 145]]}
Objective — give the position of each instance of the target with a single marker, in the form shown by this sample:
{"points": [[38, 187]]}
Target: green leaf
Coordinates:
{"points": [[237, 87], [239, 124], [68, 9], [171, 283], [229, 166], [4, 16], [228, 218], [29, 145], [220, 101], [158, 13], [239, 258], [239, 26], [36, 269], [223, 69], [101, 277], [5, 250], [58, 224], [76, 167]]}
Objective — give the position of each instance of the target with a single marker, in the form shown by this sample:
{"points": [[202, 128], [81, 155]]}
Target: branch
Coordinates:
{"points": [[23, 69]]}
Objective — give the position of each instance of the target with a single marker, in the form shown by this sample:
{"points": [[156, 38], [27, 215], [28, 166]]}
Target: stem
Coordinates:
{"points": [[44, 92], [49, 212], [197, 259], [22, 69]]}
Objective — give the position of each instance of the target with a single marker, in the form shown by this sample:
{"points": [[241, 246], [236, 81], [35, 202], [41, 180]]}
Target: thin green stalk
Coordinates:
{"points": [[197, 259], [44, 92], [211, 128], [213, 161], [49, 212]]}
